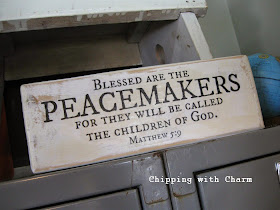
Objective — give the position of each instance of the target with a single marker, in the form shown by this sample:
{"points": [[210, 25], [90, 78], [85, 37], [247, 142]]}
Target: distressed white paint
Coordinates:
{"points": [[79, 17], [182, 40], [28, 9], [140, 18], [15, 23], [37, 11], [59, 144]]}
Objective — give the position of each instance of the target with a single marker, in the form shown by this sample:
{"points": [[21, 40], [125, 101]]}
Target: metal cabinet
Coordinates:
{"points": [[126, 183], [191, 161], [249, 185], [122, 200], [110, 182]]}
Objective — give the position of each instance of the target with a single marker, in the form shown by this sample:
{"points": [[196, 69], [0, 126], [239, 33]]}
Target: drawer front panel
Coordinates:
{"points": [[250, 185]]}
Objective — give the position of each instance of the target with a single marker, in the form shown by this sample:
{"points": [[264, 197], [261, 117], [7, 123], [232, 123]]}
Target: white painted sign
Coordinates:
{"points": [[100, 117]]}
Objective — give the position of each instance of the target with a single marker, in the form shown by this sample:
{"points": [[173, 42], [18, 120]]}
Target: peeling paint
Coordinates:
{"points": [[15, 23], [23, 24], [166, 11], [179, 196], [36, 20], [141, 14], [79, 17], [92, 16]]}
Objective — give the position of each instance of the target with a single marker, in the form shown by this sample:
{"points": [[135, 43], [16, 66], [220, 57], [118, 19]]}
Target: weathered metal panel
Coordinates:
{"points": [[180, 41]]}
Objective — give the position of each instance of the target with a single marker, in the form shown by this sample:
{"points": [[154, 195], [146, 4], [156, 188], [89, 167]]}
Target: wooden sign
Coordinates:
{"points": [[100, 117]]}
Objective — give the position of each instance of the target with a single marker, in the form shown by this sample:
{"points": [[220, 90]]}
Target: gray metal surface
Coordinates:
{"points": [[125, 200], [183, 162], [262, 193], [89, 181]]}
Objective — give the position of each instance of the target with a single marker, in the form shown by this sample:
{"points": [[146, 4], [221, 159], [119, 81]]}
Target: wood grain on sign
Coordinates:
{"points": [[100, 117]]}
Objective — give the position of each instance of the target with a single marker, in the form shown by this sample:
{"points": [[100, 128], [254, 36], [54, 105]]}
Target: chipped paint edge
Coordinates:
{"points": [[50, 22]]}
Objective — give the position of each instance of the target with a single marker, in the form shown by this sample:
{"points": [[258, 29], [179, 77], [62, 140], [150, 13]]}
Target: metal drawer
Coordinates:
{"points": [[250, 185], [90, 182], [122, 200], [186, 161]]}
